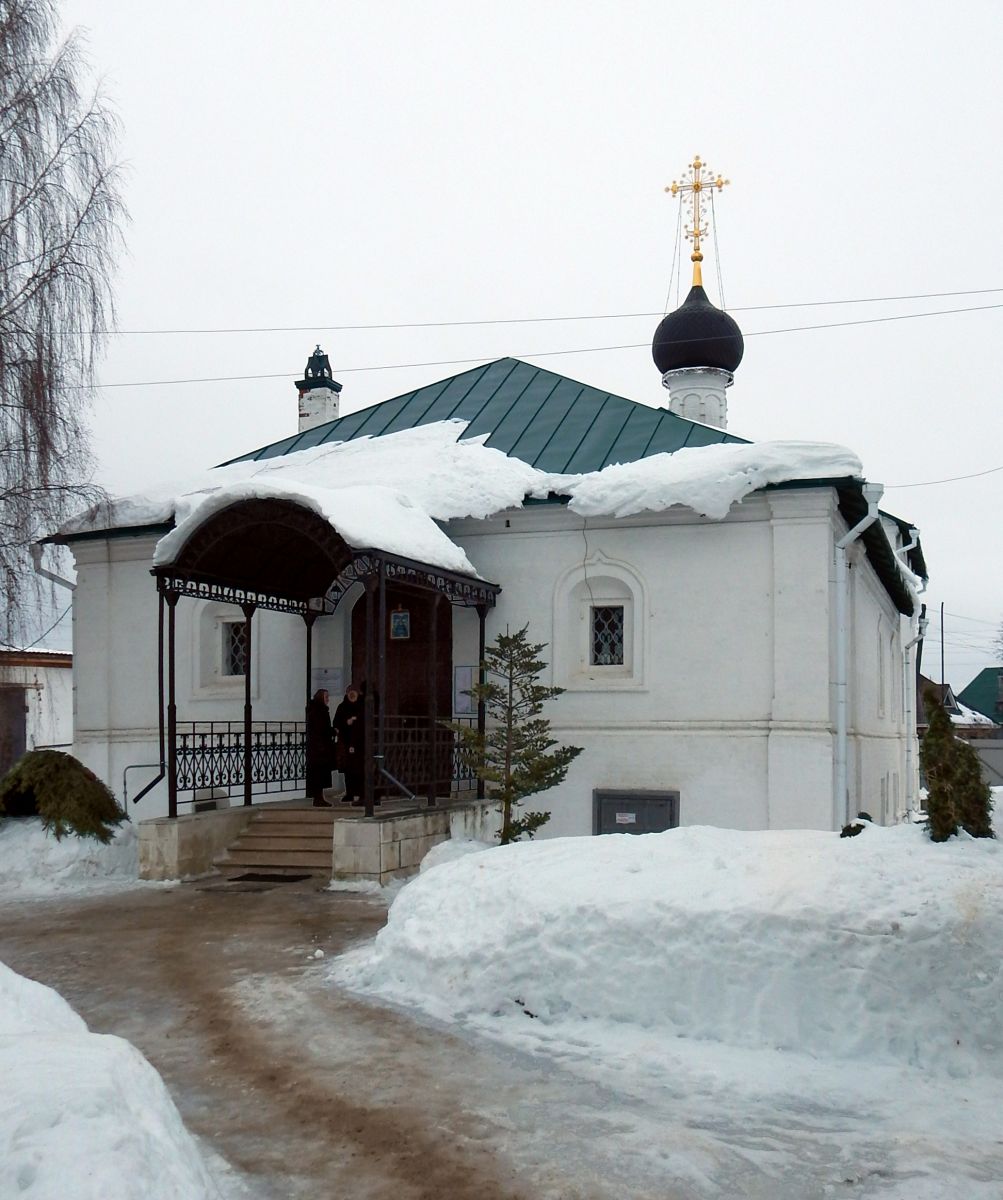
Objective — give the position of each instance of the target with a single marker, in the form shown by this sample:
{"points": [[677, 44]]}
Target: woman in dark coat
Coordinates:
{"points": [[319, 749], [349, 727]]}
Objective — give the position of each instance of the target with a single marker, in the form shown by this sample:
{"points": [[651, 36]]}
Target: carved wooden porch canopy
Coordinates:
{"points": [[281, 555]]}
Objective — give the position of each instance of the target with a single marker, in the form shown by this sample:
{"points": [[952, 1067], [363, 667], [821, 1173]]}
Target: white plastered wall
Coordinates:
{"points": [[877, 732], [726, 695]]}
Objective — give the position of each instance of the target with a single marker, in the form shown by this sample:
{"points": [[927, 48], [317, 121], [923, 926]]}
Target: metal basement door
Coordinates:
{"points": [[615, 811]]}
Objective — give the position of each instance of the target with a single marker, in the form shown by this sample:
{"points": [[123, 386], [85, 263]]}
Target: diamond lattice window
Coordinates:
{"points": [[234, 648], [607, 635]]}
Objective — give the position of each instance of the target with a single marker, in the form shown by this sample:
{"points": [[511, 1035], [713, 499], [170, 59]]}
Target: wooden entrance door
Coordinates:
{"points": [[418, 750], [410, 669]]}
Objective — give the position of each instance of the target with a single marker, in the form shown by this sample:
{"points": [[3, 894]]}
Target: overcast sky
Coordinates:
{"points": [[332, 164]]}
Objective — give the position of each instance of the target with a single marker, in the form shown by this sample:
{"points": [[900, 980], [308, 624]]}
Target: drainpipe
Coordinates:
{"points": [[841, 798], [36, 559], [911, 684]]}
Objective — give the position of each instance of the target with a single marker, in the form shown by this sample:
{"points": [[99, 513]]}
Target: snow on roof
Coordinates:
{"points": [[388, 492], [708, 479], [969, 716]]}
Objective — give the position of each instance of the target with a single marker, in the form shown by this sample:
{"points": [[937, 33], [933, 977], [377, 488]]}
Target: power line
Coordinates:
{"points": [[976, 620], [454, 362], [522, 320], [44, 635], [951, 479]]}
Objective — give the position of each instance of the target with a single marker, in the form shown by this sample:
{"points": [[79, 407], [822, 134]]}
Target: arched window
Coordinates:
{"points": [[599, 627]]}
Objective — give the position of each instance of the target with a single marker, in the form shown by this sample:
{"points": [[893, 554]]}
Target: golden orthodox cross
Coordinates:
{"points": [[697, 180]]}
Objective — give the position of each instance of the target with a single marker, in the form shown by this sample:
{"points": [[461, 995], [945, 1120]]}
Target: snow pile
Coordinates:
{"points": [[708, 479], [33, 863], [84, 1116], [388, 492], [877, 948], [450, 851]]}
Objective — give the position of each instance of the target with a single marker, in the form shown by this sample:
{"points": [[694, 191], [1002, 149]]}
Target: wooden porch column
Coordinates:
{"points": [[248, 610], [308, 620], [368, 705], [433, 702], [379, 699], [172, 710], [482, 616]]}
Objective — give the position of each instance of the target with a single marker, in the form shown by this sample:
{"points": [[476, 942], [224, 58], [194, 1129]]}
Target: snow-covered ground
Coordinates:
{"points": [[813, 1015], [84, 1116], [33, 863]]}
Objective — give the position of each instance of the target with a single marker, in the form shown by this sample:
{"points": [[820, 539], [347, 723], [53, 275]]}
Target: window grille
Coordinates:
{"points": [[607, 635], [234, 648]]}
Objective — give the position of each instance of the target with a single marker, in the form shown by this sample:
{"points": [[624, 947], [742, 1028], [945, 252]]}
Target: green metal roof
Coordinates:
{"points": [[984, 695], [547, 420]]}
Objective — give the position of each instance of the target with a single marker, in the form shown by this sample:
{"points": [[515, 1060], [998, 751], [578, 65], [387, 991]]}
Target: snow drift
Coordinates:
{"points": [[84, 1116], [33, 863], [881, 947]]}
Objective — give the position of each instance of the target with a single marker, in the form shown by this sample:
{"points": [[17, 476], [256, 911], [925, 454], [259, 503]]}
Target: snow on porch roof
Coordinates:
{"points": [[553, 423]]}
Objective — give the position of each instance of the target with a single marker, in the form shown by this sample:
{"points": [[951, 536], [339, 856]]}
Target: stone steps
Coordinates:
{"points": [[281, 839]]}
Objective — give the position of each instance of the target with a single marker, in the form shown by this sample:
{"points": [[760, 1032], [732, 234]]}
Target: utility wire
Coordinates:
{"points": [[521, 320], [453, 362], [952, 479], [41, 636]]}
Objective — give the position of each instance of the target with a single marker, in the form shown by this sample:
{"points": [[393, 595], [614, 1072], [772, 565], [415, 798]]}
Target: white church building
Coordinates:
{"points": [[732, 621]]}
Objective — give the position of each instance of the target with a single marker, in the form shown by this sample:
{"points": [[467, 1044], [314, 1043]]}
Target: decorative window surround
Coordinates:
{"points": [[210, 640], [597, 591]]}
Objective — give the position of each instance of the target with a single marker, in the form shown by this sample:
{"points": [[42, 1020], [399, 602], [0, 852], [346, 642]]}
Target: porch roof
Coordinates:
{"points": [[274, 551]]}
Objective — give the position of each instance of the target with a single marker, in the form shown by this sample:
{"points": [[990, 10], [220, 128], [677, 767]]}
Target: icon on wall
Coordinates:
{"points": [[400, 625]]}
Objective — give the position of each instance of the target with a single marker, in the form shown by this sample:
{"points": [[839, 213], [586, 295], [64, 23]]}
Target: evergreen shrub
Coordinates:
{"points": [[957, 795], [63, 792], [515, 757]]}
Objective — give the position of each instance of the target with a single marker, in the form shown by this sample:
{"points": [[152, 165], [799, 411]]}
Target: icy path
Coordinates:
{"points": [[302, 1089], [307, 1092]]}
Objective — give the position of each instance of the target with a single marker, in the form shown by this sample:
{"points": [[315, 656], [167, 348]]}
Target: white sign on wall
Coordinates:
{"points": [[463, 681], [332, 679]]}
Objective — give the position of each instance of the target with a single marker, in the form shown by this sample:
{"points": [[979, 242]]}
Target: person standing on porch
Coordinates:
{"points": [[349, 726], [319, 748]]}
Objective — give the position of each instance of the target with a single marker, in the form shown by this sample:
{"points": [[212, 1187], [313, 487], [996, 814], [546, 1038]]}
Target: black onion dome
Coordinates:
{"points": [[697, 335]]}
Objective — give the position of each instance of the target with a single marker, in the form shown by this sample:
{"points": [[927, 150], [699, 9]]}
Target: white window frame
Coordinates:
{"points": [[207, 680], [598, 582]]}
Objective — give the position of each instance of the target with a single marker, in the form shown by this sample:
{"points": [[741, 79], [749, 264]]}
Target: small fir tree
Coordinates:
{"points": [[973, 796], [937, 759], [516, 756], [957, 793]]}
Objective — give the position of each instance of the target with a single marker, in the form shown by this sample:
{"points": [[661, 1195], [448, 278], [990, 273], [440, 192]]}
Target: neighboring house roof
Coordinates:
{"points": [[959, 712], [37, 657], [553, 423], [985, 693]]}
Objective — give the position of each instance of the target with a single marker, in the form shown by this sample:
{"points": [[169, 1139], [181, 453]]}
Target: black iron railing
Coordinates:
{"points": [[424, 755], [420, 752], [210, 757]]}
